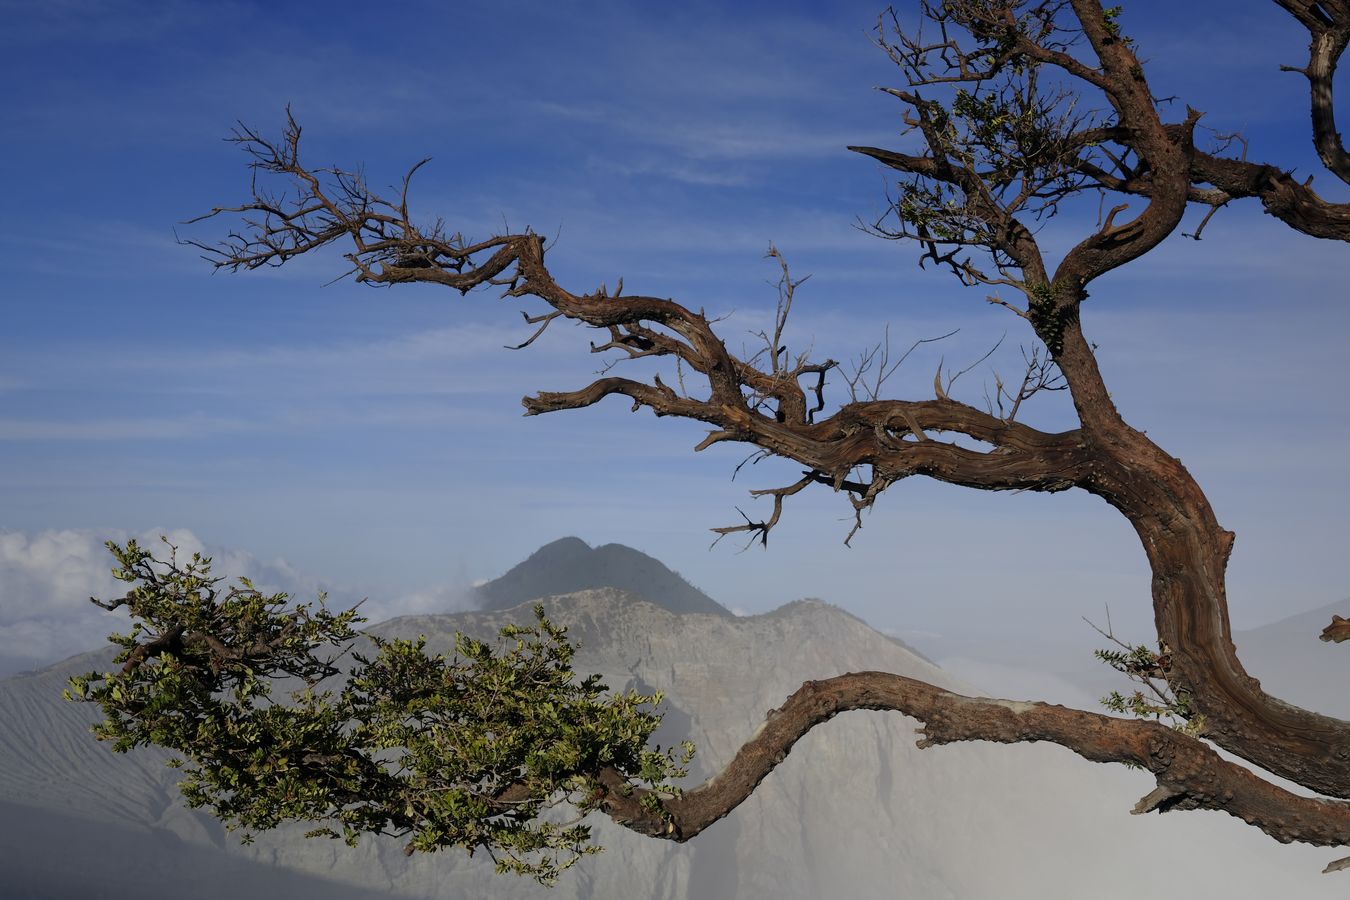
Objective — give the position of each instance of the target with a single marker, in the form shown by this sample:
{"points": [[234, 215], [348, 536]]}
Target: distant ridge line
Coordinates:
{"points": [[570, 564]]}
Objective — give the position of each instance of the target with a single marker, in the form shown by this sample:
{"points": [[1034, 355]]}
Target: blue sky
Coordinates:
{"points": [[371, 441]]}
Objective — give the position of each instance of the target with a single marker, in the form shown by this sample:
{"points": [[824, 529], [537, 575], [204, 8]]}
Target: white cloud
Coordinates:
{"points": [[45, 583], [425, 601], [47, 578]]}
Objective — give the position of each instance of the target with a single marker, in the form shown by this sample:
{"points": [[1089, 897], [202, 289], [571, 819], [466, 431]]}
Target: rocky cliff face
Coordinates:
{"points": [[856, 810]]}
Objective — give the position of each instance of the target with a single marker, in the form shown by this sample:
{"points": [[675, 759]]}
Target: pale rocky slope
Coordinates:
{"points": [[856, 811]]}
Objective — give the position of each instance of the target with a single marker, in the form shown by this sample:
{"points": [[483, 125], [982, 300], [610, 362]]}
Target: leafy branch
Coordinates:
{"points": [[475, 750], [1155, 697]]}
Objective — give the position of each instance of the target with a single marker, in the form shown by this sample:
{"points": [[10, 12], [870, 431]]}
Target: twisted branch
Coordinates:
{"points": [[1002, 147], [1328, 24], [1190, 775]]}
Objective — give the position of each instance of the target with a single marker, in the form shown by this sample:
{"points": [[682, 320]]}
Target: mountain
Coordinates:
{"points": [[857, 810], [1294, 665], [570, 564]]}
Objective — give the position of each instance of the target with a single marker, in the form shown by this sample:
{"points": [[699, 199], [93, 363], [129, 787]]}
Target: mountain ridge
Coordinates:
{"points": [[855, 810], [569, 564]]}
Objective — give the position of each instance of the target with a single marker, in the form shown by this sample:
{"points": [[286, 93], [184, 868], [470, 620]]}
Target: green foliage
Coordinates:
{"points": [[1012, 133], [1003, 144], [941, 212], [1046, 317], [1149, 669], [486, 749], [1111, 22]]}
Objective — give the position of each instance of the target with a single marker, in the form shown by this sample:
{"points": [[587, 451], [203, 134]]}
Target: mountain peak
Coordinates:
{"points": [[563, 550], [569, 564]]}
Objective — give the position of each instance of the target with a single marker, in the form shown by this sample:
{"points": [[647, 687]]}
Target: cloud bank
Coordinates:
{"points": [[47, 578]]}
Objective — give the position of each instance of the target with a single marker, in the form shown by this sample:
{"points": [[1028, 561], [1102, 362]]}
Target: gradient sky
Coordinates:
{"points": [[371, 441]]}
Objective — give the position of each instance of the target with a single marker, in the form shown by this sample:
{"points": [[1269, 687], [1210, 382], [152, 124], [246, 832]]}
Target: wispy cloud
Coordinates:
{"points": [[120, 429], [685, 172], [361, 432]]}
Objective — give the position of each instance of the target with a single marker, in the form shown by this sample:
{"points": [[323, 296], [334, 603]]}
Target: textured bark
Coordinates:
{"points": [[1292, 202], [1328, 24], [867, 444], [1338, 630], [1188, 553], [1190, 774]]}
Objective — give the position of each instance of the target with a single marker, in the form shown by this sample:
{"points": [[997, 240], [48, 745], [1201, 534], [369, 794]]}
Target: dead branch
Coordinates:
{"points": [[1338, 630], [1328, 24], [1000, 152], [1189, 773]]}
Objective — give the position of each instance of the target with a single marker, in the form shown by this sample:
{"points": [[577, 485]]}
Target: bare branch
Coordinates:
{"points": [[1190, 774], [760, 530], [542, 321], [1328, 24], [1002, 146], [1338, 630]]}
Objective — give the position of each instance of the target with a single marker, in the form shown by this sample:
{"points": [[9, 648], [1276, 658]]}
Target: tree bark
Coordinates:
{"points": [[1188, 555], [1190, 774]]}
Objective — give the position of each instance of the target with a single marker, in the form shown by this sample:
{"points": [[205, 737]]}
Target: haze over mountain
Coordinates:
{"points": [[1294, 665], [570, 564], [1285, 656], [855, 811]]}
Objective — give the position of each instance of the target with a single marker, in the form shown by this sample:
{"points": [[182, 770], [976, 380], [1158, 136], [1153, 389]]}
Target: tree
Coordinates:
{"points": [[1022, 110]]}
